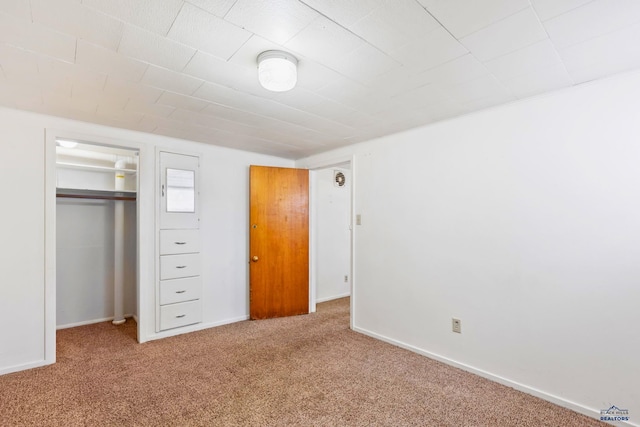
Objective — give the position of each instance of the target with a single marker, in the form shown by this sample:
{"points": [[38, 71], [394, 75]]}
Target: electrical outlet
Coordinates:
{"points": [[346, 278], [456, 325]]}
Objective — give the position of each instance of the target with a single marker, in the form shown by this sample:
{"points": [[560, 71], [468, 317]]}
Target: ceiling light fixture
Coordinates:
{"points": [[66, 143], [277, 70]]}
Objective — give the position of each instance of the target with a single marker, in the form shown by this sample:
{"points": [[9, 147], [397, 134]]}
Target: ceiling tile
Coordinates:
{"points": [[71, 17], [524, 61], [510, 34], [539, 81], [547, 9], [344, 12], [148, 109], [429, 51], [483, 87], [232, 98], [396, 81], [19, 66], [148, 124], [145, 46], [21, 96], [393, 23], [141, 13], [324, 41], [217, 7], [459, 70], [171, 80], [63, 74], [247, 54], [206, 32], [591, 20], [185, 102], [275, 20], [364, 63], [603, 56], [84, 102], [213, 69], [109, 62], [110, 102], [17, 8], [132, 90], [313, 75], [463, 17], [344, 90], [37, 38]]}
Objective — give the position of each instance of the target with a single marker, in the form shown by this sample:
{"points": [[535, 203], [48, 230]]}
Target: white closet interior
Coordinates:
{"points": [[96, 234]]}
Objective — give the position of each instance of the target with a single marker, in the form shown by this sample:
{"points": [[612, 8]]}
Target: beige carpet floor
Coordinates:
{"points": [[302, 371]]}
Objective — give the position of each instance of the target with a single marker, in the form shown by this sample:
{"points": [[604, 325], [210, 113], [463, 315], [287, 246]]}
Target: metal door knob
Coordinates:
{"points": [[254, 258]]}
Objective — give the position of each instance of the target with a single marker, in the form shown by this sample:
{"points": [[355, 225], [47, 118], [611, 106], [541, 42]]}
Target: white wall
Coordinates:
{"points": [[524, 222], [22, 249], [333, 237], [85, 259], [224, 212]]}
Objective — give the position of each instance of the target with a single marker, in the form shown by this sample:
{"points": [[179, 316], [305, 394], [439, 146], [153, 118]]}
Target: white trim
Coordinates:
{"points": [[584, 410], [331, 298], [312, 241], [23, 367], [93, 321], [195, 327], [49, 248]]}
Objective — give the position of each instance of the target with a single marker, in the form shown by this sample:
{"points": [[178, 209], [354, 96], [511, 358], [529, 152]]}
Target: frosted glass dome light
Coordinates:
{"points": [[277, 70]]}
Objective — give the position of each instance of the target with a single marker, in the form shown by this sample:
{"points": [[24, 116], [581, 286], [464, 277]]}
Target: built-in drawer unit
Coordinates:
{"points": [[177, 266], [180, 314], [179, 242], [179, 282], [180, 290]]}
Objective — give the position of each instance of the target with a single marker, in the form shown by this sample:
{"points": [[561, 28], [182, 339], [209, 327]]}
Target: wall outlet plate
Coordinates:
{"points": [[456, 325]]}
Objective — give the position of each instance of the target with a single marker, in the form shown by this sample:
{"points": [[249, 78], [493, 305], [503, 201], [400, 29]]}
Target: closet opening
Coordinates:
{"points": [[96, 235]]}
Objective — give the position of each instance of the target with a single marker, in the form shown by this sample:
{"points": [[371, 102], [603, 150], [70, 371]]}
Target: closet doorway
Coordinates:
{"points": [[96, 233]]}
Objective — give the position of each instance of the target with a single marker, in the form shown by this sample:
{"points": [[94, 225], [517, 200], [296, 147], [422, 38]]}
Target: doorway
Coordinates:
{"points": [[139, 240], [332, 232], [96, 233]]}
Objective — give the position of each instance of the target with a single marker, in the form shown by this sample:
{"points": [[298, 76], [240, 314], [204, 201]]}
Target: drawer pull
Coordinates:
{"points": [[181, 315], [180, 243], [181, 266], [180, 292]]}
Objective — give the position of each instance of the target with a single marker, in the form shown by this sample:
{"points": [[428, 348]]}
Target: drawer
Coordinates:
{"points": [[177, 266], [179, 290], [180, 314], [179, 242]]}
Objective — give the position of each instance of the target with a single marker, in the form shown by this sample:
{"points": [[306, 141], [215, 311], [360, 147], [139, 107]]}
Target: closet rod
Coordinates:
{"points": [[83, 196]]}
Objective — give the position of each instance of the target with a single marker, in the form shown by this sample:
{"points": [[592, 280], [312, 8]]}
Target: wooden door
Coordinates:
{"points": [[279, 242]]}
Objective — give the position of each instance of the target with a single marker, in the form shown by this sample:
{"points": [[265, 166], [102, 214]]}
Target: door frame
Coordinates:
{"points": [[145, 245], [313, 167]]}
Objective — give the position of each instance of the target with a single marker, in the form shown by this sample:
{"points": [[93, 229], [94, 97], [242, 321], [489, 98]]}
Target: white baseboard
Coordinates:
{"points": [[24, 367], [194, 328], [331, 298], [589, 412], [91, 322]]}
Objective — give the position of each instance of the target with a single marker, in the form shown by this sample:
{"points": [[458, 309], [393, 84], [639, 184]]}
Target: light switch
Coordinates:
{"points": [[358, 219]]}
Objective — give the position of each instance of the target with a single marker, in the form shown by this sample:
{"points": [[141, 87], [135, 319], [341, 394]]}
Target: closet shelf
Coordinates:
{"points": [[94, 168], [75, 193]]}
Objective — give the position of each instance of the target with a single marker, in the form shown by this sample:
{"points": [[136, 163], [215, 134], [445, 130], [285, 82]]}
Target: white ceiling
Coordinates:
{"points": [[367, 68]]}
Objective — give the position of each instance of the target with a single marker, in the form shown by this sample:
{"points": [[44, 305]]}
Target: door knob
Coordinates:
{"points": [[254, 258]]}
